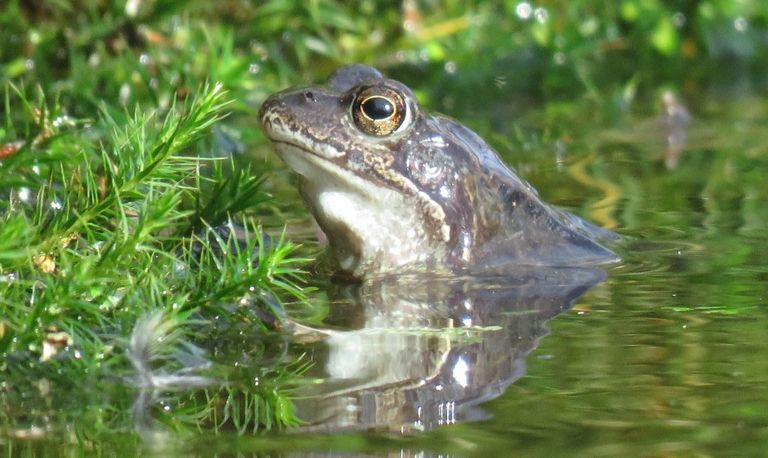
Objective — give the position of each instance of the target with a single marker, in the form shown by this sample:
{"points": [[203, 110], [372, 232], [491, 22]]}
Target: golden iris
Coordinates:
{"points": [[378, 110]]}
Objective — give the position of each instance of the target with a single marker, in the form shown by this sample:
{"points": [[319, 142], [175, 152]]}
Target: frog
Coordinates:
{"points": [[396, 188]]}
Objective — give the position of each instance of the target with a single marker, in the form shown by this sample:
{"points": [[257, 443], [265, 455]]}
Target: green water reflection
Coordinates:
{"points": [[665, 356]]}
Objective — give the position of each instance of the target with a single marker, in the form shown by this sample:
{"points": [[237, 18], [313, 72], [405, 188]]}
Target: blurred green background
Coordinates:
{"points": [[136, 51], [569, 92]]}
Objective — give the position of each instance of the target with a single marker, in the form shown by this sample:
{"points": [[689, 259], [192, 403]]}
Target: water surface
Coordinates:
{"points": [[663, 357], [660, 354]]}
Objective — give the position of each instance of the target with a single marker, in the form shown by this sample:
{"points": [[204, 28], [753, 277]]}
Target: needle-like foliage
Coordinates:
{"points": [[111, 228]]}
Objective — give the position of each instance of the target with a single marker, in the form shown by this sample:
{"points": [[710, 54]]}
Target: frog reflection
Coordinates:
{"points": [[419, 352]]}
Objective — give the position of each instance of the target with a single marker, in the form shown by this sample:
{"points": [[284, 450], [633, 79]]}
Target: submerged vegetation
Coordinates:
{"points": [[129, 157]]}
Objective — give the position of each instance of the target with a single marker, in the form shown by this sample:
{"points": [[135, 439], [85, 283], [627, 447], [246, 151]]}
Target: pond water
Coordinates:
{"points": [[661, 354], [662, 357]]}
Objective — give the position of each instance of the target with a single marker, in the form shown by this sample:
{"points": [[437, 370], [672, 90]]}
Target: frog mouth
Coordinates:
{"points": [[281, 134], [305, 161], [322, 173], [314, 161]]}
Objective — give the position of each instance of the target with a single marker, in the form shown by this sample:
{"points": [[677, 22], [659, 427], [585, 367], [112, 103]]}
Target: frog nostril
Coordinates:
{"points": [[309, 95]]}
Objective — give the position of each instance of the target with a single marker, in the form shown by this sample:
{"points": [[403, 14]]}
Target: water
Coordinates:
{"points": [[661, 354], [662, 357], [413, 354]]}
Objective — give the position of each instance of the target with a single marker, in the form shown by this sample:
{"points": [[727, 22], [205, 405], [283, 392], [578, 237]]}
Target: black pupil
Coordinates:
{"points": [[378, 108]]}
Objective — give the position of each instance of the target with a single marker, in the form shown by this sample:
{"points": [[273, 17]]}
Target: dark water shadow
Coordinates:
{"points": [[414, 353]]}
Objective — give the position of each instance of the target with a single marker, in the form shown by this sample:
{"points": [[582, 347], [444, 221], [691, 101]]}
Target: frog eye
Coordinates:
{"points": [[380, 111]]}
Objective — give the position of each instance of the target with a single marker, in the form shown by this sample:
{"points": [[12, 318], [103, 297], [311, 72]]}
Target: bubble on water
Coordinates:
{"points": [[678, 19], [524, 10], [144, 59], [254, 69], [94, 59], [740, 24], [376, 37], [450, 67]]}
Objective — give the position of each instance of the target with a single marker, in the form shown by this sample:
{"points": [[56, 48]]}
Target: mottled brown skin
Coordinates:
{"points": [[431, 195]]}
